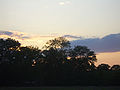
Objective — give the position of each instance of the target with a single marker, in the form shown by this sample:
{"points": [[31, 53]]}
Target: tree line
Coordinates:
{"points": [[57, 63]]}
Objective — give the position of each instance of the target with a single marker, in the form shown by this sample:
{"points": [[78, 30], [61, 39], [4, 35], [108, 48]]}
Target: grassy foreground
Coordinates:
{"points": [[60, 88]]}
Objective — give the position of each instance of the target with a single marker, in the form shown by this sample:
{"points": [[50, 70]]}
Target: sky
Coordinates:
{"points": [[46, 19]]}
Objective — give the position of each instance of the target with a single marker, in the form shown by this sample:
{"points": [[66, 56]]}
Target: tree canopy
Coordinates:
{"points": [[57, 64], [57, 43]]}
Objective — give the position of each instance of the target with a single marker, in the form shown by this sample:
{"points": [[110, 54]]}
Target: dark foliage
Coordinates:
{"points": [[57, 64]]}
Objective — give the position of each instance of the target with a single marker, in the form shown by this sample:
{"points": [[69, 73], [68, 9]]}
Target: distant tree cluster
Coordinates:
{"points": [[56, 64]]}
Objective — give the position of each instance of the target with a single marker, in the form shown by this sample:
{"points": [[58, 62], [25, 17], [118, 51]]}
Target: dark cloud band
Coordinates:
{"points": [[110, 43]]}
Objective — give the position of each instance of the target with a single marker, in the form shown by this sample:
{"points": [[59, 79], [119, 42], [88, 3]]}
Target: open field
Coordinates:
{"points": [[60, 88]]}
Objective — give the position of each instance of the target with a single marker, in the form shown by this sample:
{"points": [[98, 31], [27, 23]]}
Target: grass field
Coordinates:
{"points": [[60, 88]]}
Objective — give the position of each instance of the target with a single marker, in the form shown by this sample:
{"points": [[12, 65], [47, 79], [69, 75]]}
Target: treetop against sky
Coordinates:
{"points": [[108, 55]]}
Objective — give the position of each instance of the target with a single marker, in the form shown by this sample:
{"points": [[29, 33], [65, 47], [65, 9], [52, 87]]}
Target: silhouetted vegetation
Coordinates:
{"points": [[57, 64]]}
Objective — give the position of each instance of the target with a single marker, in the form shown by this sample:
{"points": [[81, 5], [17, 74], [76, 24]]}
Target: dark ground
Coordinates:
{"points": [[62, 88]]}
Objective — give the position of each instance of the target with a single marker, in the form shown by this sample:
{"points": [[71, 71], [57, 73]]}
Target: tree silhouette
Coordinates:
{"points": [[8, 47], [29, 53], [115, 68], [55, 65], [83, 58], [103, 67], [57, 43], [55, 50], [54, 54]]}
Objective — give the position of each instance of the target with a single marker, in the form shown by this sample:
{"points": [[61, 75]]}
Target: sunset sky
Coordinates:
{"points": [[42, 20]]}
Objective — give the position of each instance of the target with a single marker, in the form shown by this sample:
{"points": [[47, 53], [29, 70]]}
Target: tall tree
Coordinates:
{"points": [[83, 58], [55, 52], [57, 43]]}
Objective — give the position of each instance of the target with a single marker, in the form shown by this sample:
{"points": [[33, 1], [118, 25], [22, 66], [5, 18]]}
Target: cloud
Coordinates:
{"points": [[71, 37], [13, 34], [5, 33], [68, 2], [109, 43], [62, 3], [26, 39]]}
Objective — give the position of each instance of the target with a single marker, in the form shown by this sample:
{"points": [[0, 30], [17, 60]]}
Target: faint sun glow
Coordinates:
{"points": [[61, 3]]}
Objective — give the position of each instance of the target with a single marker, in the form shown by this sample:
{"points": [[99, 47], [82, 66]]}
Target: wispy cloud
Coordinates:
{"points": [[13, 34], [26, 39], [62, 3], [109, 43]]}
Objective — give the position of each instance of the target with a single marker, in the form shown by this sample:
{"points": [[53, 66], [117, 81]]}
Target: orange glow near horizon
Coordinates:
{"points": [[34, 40], [110, 58]]}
